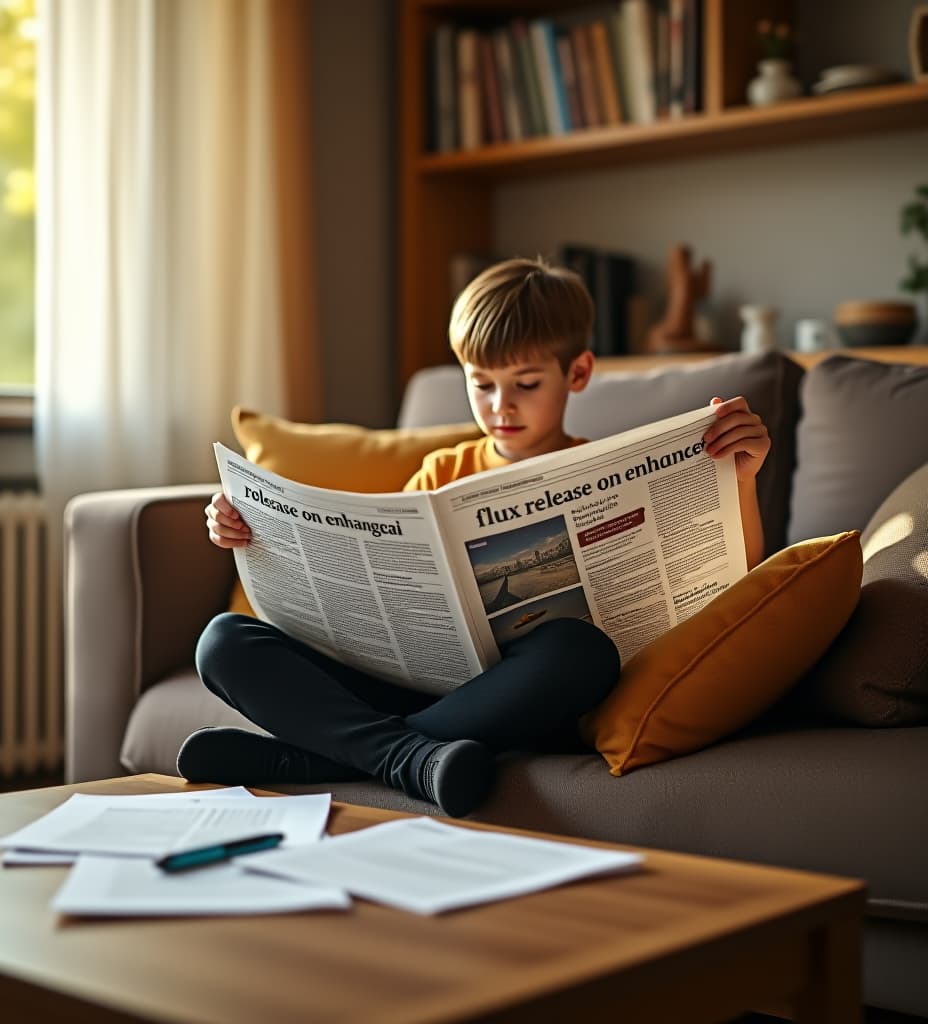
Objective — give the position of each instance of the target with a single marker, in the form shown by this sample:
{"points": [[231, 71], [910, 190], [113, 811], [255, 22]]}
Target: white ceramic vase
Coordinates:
{"points": [[759, 332], [774, 83]]}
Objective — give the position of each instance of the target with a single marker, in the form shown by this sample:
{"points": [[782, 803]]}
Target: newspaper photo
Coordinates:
{"points": [[634, 532]]}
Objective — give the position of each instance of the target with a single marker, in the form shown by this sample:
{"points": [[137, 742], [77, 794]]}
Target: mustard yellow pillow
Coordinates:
{"points": [[339, 456], [718, 670]]}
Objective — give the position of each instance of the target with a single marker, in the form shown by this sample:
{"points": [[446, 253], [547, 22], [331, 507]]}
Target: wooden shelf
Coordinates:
{"points": [[916, 355], [446, 201], [887, 108]]}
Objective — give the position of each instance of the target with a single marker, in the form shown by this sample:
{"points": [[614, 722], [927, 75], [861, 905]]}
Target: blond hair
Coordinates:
{"points": [[520, 308]]}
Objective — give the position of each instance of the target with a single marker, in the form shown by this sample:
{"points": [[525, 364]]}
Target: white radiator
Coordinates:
{"points": [[31, 687]]}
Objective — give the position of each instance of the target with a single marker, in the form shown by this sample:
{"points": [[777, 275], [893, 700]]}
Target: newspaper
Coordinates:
{"points": [[635, 533]]}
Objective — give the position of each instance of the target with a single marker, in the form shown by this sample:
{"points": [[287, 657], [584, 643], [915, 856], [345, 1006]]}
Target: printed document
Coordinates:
{"points": [[428, 867], [634, 533], [144, 827], [34, 858], [124, 886]]}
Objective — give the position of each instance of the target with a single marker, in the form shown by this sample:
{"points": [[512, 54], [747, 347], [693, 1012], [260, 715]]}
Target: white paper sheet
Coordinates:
{"points": [[429, 867], [123, 886], [142, 826], [35, 858]]}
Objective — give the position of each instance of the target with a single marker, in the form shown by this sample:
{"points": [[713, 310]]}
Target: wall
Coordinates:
{"points": [[799, 227], [353, 50]]}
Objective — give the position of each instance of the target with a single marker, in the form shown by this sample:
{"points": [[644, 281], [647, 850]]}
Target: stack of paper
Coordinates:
{"points": [[415, 864], [428, 867], [113, 841]]}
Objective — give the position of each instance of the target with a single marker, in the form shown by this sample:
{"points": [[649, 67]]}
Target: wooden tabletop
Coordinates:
{"points": [[686, 938]]}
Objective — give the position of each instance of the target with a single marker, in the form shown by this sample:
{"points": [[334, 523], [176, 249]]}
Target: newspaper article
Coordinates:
{"points": [[635, 533]]}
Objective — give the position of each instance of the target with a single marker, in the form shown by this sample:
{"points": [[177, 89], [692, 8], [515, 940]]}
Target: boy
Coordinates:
{"points": [[521, 331]]}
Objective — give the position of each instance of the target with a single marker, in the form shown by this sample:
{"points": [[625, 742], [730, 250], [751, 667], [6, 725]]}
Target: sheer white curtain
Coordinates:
{"points": [[158, 299]]}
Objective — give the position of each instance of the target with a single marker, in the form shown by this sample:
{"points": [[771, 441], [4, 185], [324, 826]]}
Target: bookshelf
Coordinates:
{"points": [[446, 199]]}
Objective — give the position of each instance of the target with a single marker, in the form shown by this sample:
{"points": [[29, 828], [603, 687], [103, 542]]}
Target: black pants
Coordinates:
{"points": [[531, 699]]}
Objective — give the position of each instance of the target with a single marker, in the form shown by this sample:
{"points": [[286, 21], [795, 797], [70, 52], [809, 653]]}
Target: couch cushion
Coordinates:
{"points": [[339, 456], [165, 715], [721, 668], [863, 429], [825, 800], [876, 672], [342, 456], [619, 401]]}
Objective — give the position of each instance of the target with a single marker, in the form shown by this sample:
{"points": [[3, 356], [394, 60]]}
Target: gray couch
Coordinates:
{"points": [[828, 780]]}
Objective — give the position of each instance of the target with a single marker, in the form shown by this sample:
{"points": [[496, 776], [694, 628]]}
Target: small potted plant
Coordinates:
{"points": [[775, 81]]}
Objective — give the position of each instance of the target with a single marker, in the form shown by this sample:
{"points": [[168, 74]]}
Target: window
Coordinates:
{"points": [[17, 196]]}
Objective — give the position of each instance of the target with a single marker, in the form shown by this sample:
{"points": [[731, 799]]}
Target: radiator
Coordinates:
{"points": [[31, 676]]}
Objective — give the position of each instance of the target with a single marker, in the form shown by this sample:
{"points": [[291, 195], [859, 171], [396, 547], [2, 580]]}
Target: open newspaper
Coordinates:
{"points": [[634, 533]]}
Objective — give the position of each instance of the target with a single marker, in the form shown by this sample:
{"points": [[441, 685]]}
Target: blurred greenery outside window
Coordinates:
{"points": [[17, 196]]}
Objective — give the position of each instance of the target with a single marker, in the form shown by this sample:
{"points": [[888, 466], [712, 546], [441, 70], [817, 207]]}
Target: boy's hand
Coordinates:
{"points": [[226, 527], [738, 432]]}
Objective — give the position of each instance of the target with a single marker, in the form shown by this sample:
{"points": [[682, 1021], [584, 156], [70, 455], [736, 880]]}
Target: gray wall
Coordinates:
{"points": [[800, 227], [353, 48]]}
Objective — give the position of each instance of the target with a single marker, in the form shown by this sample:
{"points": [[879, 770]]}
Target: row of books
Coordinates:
{"points": [[636, 62], [620, 322]]}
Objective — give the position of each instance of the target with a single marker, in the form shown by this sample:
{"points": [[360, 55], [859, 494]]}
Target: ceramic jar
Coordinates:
{"points": [[774, 83], [759, 332]]}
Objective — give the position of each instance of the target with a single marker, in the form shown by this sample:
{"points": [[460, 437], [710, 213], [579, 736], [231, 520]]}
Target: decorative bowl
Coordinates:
{"points": [[875, 323]]}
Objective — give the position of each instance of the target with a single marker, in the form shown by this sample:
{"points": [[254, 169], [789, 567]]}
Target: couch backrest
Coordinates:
{"points": [[617, 401], [863, 429]]}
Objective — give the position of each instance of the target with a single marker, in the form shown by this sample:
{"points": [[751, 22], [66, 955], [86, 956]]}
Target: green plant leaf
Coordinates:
{"points": [[917, 278], [914, 217]]}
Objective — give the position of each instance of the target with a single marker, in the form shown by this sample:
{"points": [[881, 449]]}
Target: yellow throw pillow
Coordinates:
{"points": [[339, 456], [733, 659]]}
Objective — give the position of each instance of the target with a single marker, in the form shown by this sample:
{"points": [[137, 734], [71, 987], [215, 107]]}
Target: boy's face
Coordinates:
{"points": [[521, 406]]}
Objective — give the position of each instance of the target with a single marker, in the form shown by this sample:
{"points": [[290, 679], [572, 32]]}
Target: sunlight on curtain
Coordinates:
{"points": [[157, 266]]}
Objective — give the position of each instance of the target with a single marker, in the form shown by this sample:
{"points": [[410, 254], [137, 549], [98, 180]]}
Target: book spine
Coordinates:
{"points": [[554, 99], [638, 54], [605, 75], [615, 285], [470, 122], [692, 55], [444, 89], [677, 83], [581, 259], [614, 24], [661, 25], [565, 55], [586, 80], [505, 66], [490, 91], [529, 77]]}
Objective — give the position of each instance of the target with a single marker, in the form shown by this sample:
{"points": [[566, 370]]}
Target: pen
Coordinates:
{"points": [[186, 860]]}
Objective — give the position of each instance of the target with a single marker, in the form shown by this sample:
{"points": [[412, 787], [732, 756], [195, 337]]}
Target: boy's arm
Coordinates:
{"points": [[751, 523], [741, 433]]}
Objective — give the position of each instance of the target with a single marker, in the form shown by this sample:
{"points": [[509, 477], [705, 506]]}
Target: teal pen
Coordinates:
{"points": [[203, 856]]}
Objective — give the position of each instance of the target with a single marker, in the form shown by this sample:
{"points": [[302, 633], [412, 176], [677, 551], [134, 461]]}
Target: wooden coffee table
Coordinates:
{"points": [[688, 939]]}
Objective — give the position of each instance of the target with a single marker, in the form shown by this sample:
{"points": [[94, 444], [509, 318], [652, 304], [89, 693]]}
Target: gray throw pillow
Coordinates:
{"points": [[876, 672], [863, 428]]}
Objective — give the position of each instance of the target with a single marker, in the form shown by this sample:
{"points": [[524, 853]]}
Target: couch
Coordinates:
{"points": [[827, 780]]}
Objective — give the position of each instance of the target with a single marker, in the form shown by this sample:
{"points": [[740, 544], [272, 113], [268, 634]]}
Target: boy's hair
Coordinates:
{"points": [[519, 308]]}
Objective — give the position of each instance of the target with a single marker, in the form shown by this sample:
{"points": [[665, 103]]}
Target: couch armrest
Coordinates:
{"points": [[141, 581]]}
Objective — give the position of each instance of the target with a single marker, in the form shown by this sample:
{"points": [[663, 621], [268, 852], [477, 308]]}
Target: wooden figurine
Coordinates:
{"points": [[686, 285]]}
